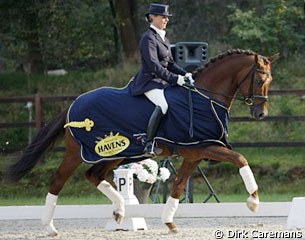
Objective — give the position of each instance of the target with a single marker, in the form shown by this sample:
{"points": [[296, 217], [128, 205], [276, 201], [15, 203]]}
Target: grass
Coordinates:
{"points": [[62, 200], [101, 199], [280, 174]]}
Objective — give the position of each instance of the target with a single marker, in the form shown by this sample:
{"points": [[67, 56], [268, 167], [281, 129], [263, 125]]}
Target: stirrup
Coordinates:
{"points": [[152, 150]]}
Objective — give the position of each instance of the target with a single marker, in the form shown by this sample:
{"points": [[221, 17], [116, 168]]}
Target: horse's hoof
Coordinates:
{"points": [[172, 228], [51, 230], [252, 204], [173, 231], [118, 217]]}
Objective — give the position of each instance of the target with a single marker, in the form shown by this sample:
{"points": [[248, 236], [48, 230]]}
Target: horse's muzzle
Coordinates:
{"points": [[259, 112]]}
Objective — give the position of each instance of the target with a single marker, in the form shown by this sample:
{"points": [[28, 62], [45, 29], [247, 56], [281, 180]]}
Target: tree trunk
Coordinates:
{"points": [[124, 13], [32, 62], [115, 33]]}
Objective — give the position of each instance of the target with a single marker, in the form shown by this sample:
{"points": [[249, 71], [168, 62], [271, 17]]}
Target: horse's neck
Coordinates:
{"points": [[219, 80]]}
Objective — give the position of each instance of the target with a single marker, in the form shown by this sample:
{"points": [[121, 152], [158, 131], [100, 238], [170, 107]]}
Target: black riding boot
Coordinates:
{"points": [[153, 125]]}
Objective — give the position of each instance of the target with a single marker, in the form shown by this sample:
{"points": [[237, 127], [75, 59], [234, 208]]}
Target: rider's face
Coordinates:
{"points": [[159, 21]]}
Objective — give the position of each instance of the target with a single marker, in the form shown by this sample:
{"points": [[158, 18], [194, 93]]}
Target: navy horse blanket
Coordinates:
{"points": [[110, 123]]}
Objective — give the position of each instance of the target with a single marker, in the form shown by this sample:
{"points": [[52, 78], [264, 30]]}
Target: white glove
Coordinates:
{"points": [[181, 80], [190, 78]]}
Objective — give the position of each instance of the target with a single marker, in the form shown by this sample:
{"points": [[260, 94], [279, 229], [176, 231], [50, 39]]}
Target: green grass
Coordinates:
{"points": [[62, 200], [280, 174], [101, 199]]}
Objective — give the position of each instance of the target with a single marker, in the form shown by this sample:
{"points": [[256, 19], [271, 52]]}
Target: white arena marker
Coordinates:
{"points": [[296, 217], [123, 178]]}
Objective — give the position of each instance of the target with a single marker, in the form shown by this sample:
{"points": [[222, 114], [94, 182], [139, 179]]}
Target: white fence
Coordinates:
{"points": [[185, 210]]}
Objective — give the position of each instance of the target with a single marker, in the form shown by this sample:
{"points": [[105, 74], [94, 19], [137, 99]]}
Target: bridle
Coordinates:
{"points": [[248, 100]]}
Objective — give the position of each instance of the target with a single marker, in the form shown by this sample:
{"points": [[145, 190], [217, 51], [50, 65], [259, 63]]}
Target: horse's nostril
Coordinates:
{"points": [[261, 116]]}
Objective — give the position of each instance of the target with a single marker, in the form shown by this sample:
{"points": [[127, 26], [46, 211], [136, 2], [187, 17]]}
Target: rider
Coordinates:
{"points": [[158, 70]]}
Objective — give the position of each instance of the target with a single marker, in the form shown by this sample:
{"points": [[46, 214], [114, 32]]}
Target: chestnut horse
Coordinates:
{"points": [[236, 74]]}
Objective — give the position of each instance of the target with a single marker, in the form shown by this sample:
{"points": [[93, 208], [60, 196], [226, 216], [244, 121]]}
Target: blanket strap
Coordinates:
{"points": [[191, 128]]}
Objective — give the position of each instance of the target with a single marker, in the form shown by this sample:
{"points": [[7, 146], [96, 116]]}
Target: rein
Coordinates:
{"points": [[249, 100], [191, 128]]}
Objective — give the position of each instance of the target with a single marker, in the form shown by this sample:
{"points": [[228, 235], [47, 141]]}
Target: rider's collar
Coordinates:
{"points": [[159, 31]]}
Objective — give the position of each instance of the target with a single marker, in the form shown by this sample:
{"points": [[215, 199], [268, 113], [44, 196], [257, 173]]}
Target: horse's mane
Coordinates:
{"points": [[223, 55]]}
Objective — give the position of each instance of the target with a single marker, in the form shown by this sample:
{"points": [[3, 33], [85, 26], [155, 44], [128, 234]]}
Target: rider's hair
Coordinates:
{"points": [[148, 18]]}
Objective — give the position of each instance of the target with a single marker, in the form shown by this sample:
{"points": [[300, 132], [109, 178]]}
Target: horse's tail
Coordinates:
{"points": [[38, 148]]}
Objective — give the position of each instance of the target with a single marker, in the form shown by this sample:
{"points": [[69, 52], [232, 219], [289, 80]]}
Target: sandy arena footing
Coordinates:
{"points": [[190, 228]]}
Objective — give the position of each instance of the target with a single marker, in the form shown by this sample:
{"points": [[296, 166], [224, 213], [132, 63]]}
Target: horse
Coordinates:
{"points": [[236, 74]]}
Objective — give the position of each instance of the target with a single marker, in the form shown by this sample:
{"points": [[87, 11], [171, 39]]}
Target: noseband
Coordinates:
{"points": [[249, 100]]}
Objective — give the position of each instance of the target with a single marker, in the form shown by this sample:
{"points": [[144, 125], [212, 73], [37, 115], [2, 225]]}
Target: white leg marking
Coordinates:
{"points": [[248, 178], [170, 210], [116, 199], [251, 186], [47, 217]]}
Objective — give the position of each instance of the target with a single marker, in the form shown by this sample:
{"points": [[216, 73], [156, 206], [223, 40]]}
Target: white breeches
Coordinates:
{"points": [[157, 97]]}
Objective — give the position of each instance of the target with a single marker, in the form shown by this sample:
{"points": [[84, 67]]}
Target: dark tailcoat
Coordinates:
{"points": [[157, 64]]}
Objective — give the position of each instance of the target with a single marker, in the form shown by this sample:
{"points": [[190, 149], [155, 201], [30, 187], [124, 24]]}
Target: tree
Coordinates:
{"points": [[23, 27], [126, 26], [33, 59], [278, 28], [52, 34], [82, 34]]}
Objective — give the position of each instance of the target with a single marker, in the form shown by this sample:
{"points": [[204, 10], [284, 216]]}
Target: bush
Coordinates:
{"points": [[276, 26]]}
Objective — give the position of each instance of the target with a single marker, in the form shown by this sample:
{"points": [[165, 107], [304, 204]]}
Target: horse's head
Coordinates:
{"points": [[254, 86], [238, 69]]}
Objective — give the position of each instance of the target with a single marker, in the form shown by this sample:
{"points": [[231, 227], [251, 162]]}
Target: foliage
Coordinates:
{"points": [[72, 34], [77, 33], [276, 26], [83, 34]]}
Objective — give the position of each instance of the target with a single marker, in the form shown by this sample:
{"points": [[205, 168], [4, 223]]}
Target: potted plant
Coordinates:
{"points": [[146, 173]]}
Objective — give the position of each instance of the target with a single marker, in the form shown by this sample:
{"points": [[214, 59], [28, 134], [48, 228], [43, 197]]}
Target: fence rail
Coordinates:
{"points": [[38, 101]]}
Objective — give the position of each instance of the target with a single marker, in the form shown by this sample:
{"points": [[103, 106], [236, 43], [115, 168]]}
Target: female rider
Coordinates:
{"points": [[158, 70]]}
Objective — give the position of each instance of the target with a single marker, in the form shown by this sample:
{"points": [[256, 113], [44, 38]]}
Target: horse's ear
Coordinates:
{"points": [[259, 59], [274, 57]]}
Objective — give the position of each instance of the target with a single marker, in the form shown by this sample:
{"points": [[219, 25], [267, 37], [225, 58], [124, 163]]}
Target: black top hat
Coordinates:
{"points": [[158, 9]]}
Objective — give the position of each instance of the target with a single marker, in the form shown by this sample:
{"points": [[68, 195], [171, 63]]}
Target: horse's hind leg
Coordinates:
{"points": [[65, 170], [97, 174], [185, 171]]}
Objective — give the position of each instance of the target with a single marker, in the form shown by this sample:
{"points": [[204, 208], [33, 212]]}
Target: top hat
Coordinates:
{"points": [[158, 9]]}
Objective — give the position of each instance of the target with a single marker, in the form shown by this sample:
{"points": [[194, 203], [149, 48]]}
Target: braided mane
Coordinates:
{"points": [[223, 55]]}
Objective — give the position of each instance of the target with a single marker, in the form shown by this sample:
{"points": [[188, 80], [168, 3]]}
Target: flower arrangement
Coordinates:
{"points": [[148, 171]]}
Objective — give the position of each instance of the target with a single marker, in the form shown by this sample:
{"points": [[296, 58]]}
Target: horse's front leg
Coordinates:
{"points": [[224, 154], [187, 168], [251, 186]]}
